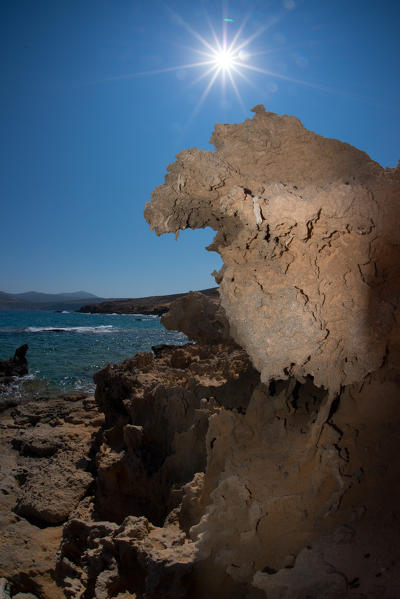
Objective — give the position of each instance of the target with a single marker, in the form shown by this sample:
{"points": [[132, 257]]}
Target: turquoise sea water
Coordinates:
{"points": [[65, 349]]}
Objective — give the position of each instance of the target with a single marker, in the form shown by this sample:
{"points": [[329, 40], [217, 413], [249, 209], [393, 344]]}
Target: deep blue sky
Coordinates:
{"points": [[84, 143]]}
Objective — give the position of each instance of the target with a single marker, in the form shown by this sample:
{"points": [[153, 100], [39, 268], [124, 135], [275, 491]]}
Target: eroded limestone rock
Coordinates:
{"points": [[149, 471], [45, 450], [308, 232], [201, 318], [307, 228], [276, 476]]}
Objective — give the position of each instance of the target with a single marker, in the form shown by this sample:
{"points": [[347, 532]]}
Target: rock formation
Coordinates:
{"points": [[261, 461], [199, 318], [307, 228], [46, 471], [308, 232], [16, 366]]}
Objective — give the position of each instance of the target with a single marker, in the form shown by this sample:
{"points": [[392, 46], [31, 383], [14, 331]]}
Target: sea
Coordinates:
{"points": [[66, 348]]}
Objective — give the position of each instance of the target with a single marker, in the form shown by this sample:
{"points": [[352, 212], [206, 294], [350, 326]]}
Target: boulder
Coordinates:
{"points": [[201, 318], [16, 366]]}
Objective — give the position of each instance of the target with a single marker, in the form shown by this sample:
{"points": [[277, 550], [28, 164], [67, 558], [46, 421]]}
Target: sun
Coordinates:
{"points": [[227, 58], [224, 59]]}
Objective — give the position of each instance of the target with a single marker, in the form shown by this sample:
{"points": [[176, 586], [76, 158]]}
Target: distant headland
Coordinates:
{"points": [[155, 304], [78, 302]]}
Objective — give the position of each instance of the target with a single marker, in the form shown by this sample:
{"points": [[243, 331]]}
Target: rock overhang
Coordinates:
{"points": [[305, 230]]}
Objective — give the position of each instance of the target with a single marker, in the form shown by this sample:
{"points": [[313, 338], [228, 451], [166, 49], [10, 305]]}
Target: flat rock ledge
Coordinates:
{"points": [[46, 472]]}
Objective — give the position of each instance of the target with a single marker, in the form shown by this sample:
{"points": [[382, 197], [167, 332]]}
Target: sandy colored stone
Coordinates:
{"points": [[201, 318], [307, 230], [45, 454], [267, 469]]}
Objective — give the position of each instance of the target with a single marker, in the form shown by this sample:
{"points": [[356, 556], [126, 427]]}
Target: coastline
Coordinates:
{"points": [[151, 305], [65, 349], [259, 461]]}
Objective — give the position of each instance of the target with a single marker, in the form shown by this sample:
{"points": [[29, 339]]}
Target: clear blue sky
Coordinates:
{"points": [[85, 137]]}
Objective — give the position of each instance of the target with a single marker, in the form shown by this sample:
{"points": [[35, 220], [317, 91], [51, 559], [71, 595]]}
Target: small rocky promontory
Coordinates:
{"points": [[14, 367]]}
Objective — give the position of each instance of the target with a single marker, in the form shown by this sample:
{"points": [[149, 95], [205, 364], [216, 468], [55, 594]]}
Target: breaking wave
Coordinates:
{"points": [[108, 328]]}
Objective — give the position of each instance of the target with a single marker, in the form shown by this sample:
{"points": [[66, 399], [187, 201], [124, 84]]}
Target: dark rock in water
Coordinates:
{"points": [[16, 366]]}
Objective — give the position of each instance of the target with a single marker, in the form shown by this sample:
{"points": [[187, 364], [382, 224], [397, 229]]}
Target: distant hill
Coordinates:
{"points": [[38, 297], [154, 304], [9, 302], [77, 302], [33, 300]]}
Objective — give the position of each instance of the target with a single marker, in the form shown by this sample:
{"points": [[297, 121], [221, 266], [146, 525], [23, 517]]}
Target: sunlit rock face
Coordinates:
{"points": [[308, 232], [262, 461]]}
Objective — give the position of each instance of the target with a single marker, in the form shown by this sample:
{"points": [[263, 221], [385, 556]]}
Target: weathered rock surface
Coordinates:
{"points": [[45, 475], [265, 467], [212, 484], [157, 412], [154, 451], [308, 232], [300, 492]]}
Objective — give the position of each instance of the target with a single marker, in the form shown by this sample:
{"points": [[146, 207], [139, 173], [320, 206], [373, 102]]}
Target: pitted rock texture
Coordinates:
{"points": [[308, 232], [210, 483], [45, 474], [157, 411], [265, 469], [150, 472]]}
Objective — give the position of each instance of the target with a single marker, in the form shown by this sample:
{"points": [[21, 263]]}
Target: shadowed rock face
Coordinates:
{"points": [[308, 232]]}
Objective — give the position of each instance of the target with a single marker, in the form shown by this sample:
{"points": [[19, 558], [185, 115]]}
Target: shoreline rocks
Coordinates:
{"points": [[14, 367], [46, 472], [262, 460]]}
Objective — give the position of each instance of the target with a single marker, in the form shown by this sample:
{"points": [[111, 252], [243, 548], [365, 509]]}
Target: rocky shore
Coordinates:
{"points": [[261, 461], [46, 472]]}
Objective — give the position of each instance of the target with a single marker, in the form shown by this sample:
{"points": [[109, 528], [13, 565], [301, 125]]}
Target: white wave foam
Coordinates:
{"points": [[105, 328]]}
